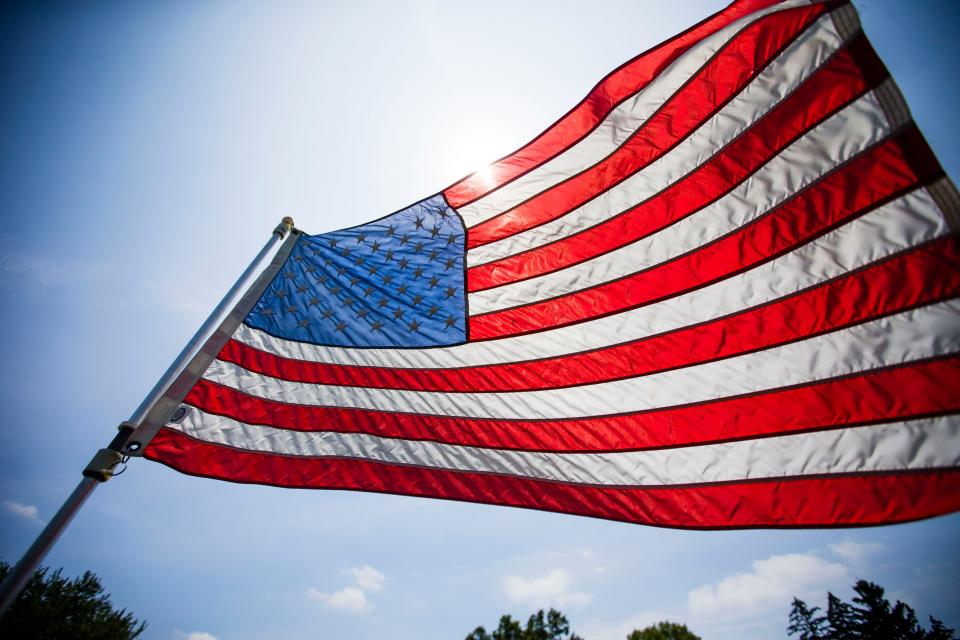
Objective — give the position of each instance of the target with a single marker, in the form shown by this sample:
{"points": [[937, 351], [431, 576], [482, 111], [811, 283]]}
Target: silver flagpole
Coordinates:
{"points": [[100, 469]]}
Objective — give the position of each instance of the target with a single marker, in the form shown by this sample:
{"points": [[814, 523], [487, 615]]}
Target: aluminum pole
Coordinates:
{"points": [[17, 579], [211, 323], [100, 468]]}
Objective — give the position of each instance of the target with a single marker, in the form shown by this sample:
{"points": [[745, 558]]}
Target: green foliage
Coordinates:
{"points": [[52, 607], [664, 631], [551, 625], [869, 616]]}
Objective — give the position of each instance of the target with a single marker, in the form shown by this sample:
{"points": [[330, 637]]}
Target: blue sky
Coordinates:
{"points": [[147, 150]]}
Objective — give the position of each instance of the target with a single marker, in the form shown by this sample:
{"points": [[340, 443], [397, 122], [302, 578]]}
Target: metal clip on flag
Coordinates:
{"points": [[721, 292]]}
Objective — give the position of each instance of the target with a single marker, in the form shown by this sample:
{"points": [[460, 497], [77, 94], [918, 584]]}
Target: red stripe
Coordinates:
{"points": [[835, 84], [816, 501], [918, 389], [832, 202], [719, 80], [925, 275], [619, 85]]}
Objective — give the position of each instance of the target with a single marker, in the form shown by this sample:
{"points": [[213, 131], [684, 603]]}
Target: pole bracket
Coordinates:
{"points": [[101, 466], [104, 461]]}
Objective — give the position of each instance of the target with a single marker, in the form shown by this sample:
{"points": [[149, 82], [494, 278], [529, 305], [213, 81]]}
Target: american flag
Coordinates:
{"points": [[722, 291]]}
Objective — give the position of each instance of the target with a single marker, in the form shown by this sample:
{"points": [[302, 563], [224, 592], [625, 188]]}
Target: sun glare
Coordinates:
{"points": [[484, 175]]}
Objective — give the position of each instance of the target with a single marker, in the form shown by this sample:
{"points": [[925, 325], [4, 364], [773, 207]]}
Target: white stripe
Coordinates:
{"points": [[619, 124], [900, 224], [833, 142], [767, 90], [928, 443], [919, 333]]}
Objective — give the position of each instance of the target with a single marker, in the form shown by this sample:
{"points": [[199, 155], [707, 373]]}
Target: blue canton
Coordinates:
{"points": [[396, 282]]}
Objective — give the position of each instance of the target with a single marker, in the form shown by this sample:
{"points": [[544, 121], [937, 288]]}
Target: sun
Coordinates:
{"points": [[484, 175]]}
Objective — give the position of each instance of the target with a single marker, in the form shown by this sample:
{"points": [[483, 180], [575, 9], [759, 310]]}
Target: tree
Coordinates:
{"points": [[805, 622], [664, 631], [52, 607], [869, 616], [551, 625]]}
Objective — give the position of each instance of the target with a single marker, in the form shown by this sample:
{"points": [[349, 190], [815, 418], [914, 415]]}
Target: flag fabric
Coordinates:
{"points": [[720, 292]]}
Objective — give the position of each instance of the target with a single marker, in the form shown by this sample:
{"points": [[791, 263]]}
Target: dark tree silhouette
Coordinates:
{"points": [[869, 616], [52, 607], [804, 621], [664, 631], [551, 625]]}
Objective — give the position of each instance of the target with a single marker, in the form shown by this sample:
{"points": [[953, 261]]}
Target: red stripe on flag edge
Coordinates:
{"points": [[774, 130], [906, 280], [840, 499], [540, 209], [463, 192], [856, 399], [655, 284]]}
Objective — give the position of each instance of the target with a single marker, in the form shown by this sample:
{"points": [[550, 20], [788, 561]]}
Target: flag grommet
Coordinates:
{"points": [[179, 414]]}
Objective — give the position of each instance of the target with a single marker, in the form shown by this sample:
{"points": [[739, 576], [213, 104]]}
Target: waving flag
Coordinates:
{"points": [[722, 291]]}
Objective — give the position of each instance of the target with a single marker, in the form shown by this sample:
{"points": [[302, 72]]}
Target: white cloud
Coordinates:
{"points": [[352, 598], [772, 582], [194, 635], [368, 578], [347, 599], [27, 511], [855, 552], [550, 589]]}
